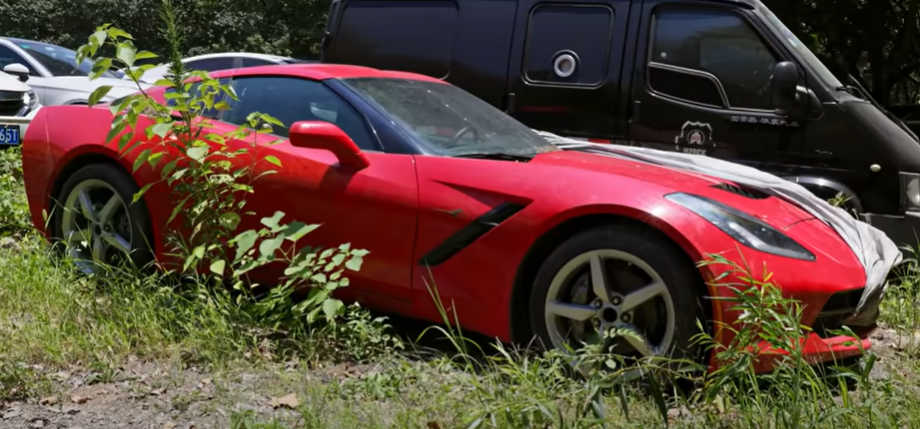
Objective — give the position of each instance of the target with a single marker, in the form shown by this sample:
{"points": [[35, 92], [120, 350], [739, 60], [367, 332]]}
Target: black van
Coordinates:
{"points": [[724, 78]]}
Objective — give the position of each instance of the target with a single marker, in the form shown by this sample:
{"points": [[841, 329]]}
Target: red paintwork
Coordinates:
{"points": [[326, 136], [395, 207]]}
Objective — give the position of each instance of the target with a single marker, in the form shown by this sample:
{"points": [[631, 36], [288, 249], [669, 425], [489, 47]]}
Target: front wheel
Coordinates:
{"points": [[95, 222], [631, 279]]}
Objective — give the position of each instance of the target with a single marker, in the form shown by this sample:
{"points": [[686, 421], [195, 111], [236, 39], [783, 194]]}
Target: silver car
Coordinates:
{"points": [[18, 105], [54, 75]]}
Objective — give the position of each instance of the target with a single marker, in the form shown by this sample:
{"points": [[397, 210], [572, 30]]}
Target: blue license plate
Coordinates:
{"points": [[9, 135]]}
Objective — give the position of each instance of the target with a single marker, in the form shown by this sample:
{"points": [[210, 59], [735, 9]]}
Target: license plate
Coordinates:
{"points": [[9, 135]]}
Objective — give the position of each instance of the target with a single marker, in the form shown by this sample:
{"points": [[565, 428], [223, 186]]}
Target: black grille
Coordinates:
{"points": [[744, 192], [10, 103], [839, 306]]}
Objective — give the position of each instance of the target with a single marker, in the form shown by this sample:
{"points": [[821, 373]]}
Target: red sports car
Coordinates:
{"points": [[525, 240]]}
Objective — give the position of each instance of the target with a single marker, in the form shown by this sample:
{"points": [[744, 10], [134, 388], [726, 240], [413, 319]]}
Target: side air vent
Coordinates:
{"points": [[744, 192]]}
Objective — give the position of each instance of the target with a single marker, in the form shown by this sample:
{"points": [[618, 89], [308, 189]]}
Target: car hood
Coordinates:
{"points": [[774, 211], [84, 84], [12, 83]]}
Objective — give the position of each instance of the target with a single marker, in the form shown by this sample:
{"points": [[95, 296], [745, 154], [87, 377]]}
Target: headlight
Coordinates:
{"points": [[30, 99], [747, 229], [910, 191]]}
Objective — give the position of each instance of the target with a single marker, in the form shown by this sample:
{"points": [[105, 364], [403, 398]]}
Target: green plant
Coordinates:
{"points": [[211, 175]]}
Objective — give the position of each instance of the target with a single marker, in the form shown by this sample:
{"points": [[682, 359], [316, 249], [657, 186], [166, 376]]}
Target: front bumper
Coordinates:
{"points": [[22, 121], [904, 230]]}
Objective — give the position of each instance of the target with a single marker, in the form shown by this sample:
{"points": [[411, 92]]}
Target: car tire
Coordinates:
{"points": [[119, 224], [631, 257]]}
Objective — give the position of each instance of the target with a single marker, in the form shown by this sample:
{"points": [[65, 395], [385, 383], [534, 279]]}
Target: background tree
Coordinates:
{"points": [[876, 41]]}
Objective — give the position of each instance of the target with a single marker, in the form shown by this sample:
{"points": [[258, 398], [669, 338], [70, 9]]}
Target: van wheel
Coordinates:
{"points": [[619, 276], [95, 225]]}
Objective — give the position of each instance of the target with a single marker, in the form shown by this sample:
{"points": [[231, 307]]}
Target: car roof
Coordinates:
{"points": [[322, 71], [237, 55]]}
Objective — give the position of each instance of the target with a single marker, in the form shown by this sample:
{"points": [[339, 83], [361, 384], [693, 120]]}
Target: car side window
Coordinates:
{"points": [[210, 64], [7, 57], [691, 46], [291, 99], [194, 91]]}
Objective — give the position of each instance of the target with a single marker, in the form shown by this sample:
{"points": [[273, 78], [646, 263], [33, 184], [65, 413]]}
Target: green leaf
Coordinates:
{"points": [[117, 32], [161, 129], [332, 307], [98, 94], [218, 267], [144, 55], [117, 127], [230, 220], [140, 194], [197, 153], [244, 241], [141, 159], [267, 248], [272, 222], [98, 38], [354, 263], [273, 160], [338, 259], [126, 53], [296, 230]]}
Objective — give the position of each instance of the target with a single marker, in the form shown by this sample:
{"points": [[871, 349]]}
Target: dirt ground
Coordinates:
{"points": [[148, 395]]}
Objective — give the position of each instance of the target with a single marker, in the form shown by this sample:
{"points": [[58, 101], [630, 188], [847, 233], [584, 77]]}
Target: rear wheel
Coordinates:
{"points": [[95, 222], [624, 277]]}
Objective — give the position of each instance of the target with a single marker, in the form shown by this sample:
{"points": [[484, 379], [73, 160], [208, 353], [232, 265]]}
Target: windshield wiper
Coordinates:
{"points": [[496, 155], [861, 92]]}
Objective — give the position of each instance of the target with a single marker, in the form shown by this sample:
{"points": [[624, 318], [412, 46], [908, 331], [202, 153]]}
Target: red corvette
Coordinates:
{"points": [[525, 240]]}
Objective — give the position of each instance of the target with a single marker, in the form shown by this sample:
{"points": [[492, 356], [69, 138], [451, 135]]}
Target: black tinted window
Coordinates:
{"points": [[685, 86], [588, 46], [414, 36], [291, 100], [717, 42], [210, 64], [7, 57]]}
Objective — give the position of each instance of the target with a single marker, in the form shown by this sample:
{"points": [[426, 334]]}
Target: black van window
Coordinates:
{"points": [[550, 38], [717, 42], [414, 36], [291, 99]]}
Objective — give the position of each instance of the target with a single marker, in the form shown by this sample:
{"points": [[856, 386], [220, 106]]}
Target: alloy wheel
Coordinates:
{"points": [[96, 226], [601, 290]]}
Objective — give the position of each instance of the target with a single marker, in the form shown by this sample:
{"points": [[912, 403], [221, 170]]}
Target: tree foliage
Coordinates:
{"points": [[878, 42], [282, 27]]}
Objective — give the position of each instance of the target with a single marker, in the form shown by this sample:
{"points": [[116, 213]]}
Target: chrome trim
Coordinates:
{"points": [[692, 72]]}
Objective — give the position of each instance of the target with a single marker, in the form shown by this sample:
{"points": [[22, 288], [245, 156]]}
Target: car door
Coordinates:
{"points": [[374, 209], [565, 64], [702, 71]]}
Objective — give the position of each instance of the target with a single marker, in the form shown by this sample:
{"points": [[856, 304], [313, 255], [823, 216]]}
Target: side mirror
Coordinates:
{"points": [[783, 83], [17, 70], [327, 136]]}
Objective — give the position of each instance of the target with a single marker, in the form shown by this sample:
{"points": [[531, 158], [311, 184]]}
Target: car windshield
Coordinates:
{"points": [[448, 120], [58, 60]]}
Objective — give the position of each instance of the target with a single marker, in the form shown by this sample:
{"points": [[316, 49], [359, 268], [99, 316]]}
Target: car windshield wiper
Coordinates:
{"points": [[496, 155], [857, 90]]}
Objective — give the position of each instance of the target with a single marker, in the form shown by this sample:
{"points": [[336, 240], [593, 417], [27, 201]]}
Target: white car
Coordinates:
{"points": [[54, 74], [18, 105], [220, 61]]}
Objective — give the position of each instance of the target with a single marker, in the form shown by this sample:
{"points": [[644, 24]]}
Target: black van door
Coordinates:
{"points": [[702, 74], [564, 67]]}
